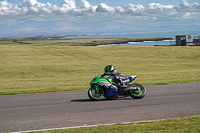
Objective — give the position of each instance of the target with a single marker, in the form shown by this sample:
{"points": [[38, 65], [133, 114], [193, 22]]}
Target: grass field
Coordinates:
{"points": [[186, 125], [36, 69]]}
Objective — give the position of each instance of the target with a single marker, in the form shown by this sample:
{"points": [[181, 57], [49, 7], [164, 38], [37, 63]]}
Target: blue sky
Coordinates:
{"points": [[19, 17]]}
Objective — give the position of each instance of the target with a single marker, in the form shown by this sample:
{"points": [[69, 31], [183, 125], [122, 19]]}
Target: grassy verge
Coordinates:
{"points": [[186, 125], [36, 69]]}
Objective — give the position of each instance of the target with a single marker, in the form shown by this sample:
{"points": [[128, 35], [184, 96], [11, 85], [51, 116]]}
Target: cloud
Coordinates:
{"points": [[28, 3], [70, 10], [187, 15], [104, 8]]}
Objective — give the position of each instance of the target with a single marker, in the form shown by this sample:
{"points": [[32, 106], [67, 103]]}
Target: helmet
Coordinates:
{"points": [[108, 68]]}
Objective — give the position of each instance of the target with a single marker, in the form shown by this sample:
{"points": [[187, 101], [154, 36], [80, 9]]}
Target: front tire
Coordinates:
{"points": [[137, 91], [96, 94]]}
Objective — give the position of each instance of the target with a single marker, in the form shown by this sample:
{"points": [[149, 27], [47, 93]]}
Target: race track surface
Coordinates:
{"points": [[68, 109]]}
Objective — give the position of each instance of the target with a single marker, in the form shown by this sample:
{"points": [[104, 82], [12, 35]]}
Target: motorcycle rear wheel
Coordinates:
{"points": [[138, 91], [96, 94]]}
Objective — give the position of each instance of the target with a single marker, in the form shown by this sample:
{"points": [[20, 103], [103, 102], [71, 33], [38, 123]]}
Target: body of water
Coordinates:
{"points": [[171, 34], [145, 43]]}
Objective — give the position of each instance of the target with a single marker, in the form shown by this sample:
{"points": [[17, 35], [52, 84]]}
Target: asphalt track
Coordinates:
{"points": [[69, 109]]}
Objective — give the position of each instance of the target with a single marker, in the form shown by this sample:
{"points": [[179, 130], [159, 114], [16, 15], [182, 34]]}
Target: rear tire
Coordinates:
{"points": [[96, 96], [137, 92]]}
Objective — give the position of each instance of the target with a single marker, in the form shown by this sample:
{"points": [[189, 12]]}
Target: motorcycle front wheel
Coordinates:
{"points": [[137, 91], [96, 94]]}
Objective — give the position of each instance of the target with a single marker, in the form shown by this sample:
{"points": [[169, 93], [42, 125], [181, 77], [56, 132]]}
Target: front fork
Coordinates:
{"points": [[96, 89]]}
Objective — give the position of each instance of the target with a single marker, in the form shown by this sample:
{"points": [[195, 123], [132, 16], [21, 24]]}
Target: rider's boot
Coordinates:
{"points": [[122, 84]]}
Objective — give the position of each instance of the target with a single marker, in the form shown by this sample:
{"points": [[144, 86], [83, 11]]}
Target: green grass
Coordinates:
{"points": [[36, 69], [185, 125]]}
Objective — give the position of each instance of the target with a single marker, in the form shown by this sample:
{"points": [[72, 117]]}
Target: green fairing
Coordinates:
{"points": [[103, 79]]}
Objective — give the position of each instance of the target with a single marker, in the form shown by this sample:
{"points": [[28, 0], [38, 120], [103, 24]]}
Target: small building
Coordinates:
{"points": [[197, 40], [187, 40]]}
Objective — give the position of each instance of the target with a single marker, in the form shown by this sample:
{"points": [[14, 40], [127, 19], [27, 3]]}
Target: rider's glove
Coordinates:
{"points": [[104, 74]]}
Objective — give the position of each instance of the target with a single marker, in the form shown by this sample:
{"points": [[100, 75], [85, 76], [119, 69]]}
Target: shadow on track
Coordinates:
{"points": [[81, 100], [88, 100]]}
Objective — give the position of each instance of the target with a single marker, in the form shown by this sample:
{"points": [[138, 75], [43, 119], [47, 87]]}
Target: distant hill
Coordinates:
{"points": [[33, 38], [51, 28]]}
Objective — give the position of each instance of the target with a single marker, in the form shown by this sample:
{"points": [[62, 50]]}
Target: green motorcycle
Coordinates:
{"points": [[109, 88]]}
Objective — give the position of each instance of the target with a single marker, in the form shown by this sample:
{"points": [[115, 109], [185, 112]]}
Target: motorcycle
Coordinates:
{"points": [[109, 88]]}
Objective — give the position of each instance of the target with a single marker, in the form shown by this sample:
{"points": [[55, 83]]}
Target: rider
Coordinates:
{"points": [[109, 70]]}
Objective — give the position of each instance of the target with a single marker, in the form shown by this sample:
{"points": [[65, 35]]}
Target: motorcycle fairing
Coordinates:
{"points": [[102, 83], [112, 91]]}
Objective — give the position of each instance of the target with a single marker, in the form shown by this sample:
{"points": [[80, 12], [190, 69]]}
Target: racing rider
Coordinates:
{"points": [[109, 70]]}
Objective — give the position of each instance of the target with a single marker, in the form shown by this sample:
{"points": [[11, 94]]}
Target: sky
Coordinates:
{"points": [[34, 17], [112, 2]]}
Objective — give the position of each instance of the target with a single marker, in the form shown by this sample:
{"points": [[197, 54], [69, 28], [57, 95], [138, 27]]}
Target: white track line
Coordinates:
{"points": [[110, 124]]}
